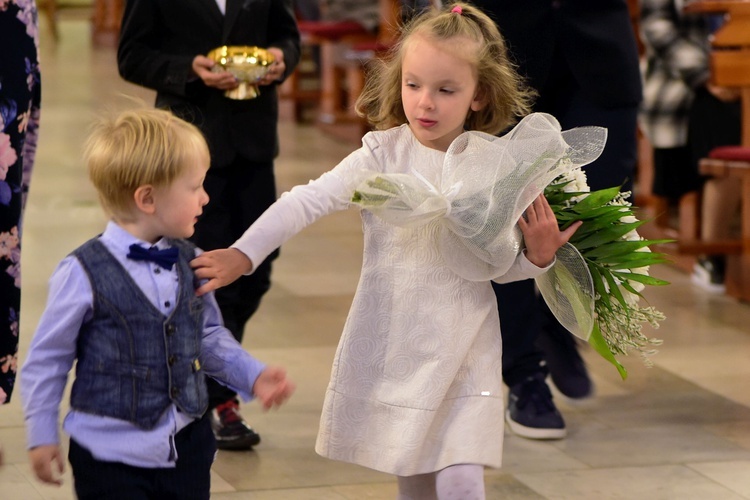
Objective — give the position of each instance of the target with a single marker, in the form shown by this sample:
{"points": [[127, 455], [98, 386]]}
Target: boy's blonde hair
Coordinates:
{"points": [[135, 148], [501, 89]]}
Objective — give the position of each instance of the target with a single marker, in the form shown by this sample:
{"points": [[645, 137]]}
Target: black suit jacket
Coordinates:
{"points": [[160, 38], [594, 38]]}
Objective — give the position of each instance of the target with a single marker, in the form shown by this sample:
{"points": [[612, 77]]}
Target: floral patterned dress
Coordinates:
{"points": [[19, 124]]}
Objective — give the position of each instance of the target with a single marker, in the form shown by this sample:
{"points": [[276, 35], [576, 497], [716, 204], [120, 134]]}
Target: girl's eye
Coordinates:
{"points": [[446, 91], [411, 85]]}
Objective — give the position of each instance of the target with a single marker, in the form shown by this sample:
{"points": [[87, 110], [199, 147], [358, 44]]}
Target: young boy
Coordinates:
{"points": [[123, 306]]}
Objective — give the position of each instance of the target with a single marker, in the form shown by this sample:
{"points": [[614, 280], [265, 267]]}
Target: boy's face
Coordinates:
{"points": [[179, 205], [438, 89]]}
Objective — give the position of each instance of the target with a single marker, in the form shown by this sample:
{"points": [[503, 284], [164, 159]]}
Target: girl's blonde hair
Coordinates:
{"points": [[136, 148], [502, 90]]}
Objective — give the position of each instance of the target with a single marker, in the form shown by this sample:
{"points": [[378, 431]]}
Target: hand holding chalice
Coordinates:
{"points": [[247, 64]]}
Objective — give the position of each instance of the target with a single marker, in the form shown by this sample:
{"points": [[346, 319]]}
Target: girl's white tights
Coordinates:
{"points": [[457, 482]]}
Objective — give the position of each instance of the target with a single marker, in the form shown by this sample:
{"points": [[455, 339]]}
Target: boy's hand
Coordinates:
{"points": [[43, 460], [222, 80], [272, 387], [220, 268], [277, 69], [540, 232]]}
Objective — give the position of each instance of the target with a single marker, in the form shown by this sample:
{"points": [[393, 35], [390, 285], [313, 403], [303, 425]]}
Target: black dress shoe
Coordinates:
{"points": [[230, 429]]}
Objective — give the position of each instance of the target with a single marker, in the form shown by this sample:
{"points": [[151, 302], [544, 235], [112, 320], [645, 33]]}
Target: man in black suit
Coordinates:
{"points": [[163, 46], [582, 58]]}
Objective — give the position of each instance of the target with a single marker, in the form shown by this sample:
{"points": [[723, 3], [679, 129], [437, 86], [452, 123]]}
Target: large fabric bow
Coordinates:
{"points": [[485, 185]]}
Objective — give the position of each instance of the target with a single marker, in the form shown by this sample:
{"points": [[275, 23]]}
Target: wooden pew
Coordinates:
{"points": [[105, 22], [730, 67], [341, 77]]}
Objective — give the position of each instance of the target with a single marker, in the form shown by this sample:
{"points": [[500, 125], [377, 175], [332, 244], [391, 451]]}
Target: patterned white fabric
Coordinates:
{"points": [[416, 383]]}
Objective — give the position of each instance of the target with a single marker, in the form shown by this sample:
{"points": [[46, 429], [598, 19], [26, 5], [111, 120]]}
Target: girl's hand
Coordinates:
{"points": [[272, 387], [43, 460], [541, 234], [220, 268]]}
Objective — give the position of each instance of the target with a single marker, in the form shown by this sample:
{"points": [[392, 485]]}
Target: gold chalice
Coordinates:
{"points": [[247, 64]]}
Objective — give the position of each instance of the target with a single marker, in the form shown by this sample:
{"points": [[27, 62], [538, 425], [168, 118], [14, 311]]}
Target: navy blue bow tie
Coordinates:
{"points": [[165, 258]]}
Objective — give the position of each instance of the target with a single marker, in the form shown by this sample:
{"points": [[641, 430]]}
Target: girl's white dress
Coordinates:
{"points": [[416, 383]]}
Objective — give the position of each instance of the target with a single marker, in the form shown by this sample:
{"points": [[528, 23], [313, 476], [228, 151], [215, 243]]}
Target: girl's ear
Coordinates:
{"points": [[479, 101], [144, 198]]}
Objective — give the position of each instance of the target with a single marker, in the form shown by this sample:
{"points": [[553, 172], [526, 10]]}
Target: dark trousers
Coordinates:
{"points": [[524, 315], [189, 480], [238, 194]]}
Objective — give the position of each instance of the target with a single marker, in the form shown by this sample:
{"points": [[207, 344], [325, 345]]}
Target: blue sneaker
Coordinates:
{"points": [[531, 412], [566, 367]]}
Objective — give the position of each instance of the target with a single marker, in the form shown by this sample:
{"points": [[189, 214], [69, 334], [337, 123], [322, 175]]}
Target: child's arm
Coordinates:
{"points": [[290, 214], [50, 357], [43, 459], [272, 387], [224, 359], [541, 234], [220, 268]]}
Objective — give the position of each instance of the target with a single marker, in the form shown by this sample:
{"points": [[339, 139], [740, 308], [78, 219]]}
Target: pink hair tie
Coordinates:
{"points": [[457, 9]]}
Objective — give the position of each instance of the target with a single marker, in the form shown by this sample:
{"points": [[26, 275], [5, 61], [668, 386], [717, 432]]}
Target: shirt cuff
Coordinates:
{"points": [[42, 430]]}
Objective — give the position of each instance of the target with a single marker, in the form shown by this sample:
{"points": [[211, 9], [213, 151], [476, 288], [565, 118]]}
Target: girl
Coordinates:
{"points": [[416, 388]]}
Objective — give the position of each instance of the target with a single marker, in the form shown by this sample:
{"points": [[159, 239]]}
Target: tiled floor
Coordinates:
{"points": [[679, 430]]}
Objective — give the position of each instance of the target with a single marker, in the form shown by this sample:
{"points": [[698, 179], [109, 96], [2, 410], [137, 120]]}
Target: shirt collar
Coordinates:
{"points": [[120, 240]]}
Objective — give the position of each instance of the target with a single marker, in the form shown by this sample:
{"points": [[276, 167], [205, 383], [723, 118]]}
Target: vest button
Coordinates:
{"points": [[171, 360], [170, 329], [175, 391]]}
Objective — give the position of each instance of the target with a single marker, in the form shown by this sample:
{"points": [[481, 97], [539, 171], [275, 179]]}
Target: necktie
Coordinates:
{"points": [[165, 258]]}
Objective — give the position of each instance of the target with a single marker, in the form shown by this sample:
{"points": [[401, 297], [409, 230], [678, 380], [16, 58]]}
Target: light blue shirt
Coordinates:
{"points": [[52, 353]]}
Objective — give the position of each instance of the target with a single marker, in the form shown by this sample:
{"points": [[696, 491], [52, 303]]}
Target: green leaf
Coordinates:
{"points": [[595, 213], [597, 199], [642, 278], [605, 218], [630, 262], [599, 286], [617, 248], [638, 259], [627, 286], [600, 345], [614, 289], [603, 236], [624, 247]]}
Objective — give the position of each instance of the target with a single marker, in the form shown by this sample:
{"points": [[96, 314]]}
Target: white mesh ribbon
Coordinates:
{"points": [[485, 185], [568, 290]]}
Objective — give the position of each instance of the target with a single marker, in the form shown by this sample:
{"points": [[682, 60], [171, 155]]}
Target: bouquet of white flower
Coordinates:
{"points": [[618, 260]]}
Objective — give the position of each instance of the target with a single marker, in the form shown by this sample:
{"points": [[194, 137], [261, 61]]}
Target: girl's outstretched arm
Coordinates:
{"points": [[541, 233], [220, 267]]}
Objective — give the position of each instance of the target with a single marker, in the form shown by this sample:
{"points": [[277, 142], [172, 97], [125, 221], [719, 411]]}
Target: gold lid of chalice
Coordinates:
{"points": [[247, 64]]}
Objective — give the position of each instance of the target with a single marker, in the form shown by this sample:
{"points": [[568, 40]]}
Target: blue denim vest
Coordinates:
{"points": [[133, 361]]}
